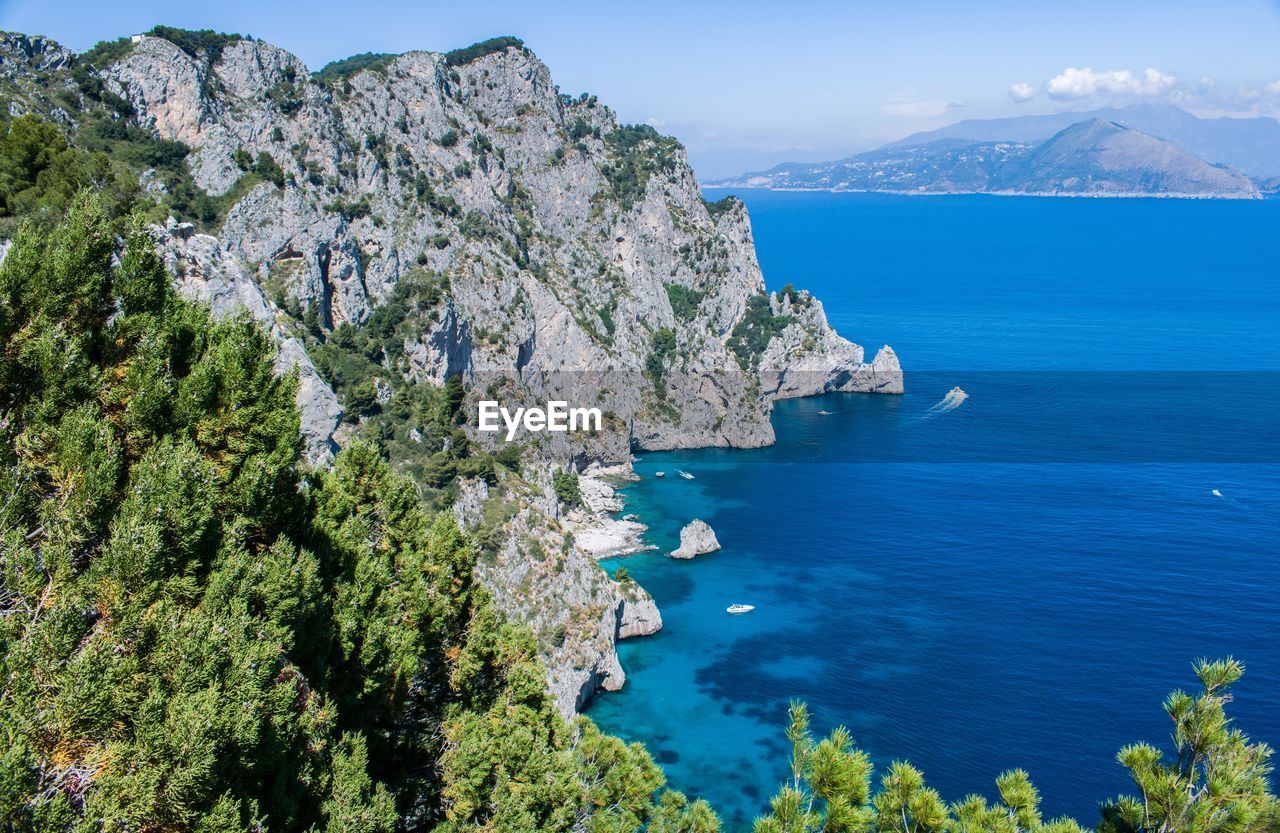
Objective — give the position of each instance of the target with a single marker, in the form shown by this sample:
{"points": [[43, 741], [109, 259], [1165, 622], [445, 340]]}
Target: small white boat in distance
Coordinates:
{"points": [[1216, 493], [659, 474], [684, 474], [735, 609], [825, 413]]}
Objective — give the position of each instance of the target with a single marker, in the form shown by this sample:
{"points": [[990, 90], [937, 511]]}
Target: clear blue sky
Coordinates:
{"points": [[746, 84]]}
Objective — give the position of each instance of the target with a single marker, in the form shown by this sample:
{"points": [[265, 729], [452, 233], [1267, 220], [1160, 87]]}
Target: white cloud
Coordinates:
{"points": [[1202, 96], [1156, 82], [1023, 91], [655, 122], [1082, 82]]}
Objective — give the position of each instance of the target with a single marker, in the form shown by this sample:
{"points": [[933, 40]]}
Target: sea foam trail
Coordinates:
{"points": [[954, 399]]}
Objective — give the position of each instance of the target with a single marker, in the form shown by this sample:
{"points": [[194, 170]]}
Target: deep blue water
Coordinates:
{"points": [[1016, 582]]}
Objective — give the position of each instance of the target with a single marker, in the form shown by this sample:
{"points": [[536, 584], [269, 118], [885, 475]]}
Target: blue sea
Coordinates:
{"points": [[1015, 582]]}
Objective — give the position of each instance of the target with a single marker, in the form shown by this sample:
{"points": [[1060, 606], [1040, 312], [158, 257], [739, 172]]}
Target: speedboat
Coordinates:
{"points": [[685, 474], [1216, 493], [659, 474], [825, 413], [736, 608]]}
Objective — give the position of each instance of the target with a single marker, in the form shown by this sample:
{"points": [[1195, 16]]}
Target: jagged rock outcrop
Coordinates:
{"points": [[639, 615], [544, 580], [808, 358], [696, 538]]}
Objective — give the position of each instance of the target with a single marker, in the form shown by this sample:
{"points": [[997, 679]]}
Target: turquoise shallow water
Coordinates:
{"points": [[1016, 582]]}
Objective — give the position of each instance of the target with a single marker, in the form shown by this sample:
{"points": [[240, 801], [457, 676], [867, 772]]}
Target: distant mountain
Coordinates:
{"points": [[1089, 158], [1251, 146], [949, 166], [1098, 158]]}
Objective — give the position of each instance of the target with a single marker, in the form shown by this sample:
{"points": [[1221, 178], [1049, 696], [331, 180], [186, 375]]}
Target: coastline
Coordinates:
{"points": [[1126, 195], [595, 528]]}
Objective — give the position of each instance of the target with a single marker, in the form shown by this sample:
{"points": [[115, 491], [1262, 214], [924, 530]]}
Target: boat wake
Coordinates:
{"points": [[954, 399]]}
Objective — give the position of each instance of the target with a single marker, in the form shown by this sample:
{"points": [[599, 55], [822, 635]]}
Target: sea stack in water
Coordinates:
{"points": [[696, 539]]}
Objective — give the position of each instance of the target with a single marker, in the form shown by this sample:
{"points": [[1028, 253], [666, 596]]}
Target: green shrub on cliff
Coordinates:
{"points": [[106, 52], [459, 57], [636, 153], [566, 488], [684, 301], [198, 43], [752, 334], [347, 67], [40, 173], [721, 207]]}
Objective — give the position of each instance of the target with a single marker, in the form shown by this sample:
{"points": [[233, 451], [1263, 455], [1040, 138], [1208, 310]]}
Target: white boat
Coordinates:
{"points": [[684, 474], [659, 474], [736, 608], [825, 413], [1216, 493]]}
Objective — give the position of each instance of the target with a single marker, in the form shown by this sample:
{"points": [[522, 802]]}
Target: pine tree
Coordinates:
{"points": [[1217, 780]]}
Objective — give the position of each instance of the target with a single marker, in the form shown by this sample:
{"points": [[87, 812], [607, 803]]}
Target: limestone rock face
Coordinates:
{"points": [[557, 264], [28, 56], [697, 538], [808, 358], [639, 615]]}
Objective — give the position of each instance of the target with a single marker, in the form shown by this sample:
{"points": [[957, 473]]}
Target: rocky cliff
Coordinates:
{"points": [[522, 239], [564, 236]]}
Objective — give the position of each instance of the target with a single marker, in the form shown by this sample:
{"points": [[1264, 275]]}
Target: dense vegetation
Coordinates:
{"points": [[467, 54], [40, 173], [198, 634], [684, 301], [656, 364], [347, 67], [1216, 782], [752, 334], [103, 53], [721, 207], [41, 169], [197, 42], [566, 488], [636, 152]]}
